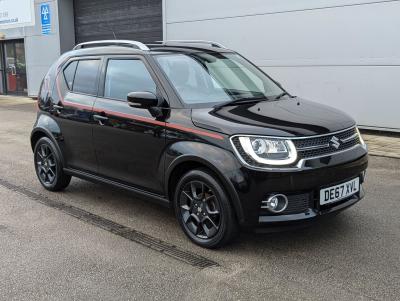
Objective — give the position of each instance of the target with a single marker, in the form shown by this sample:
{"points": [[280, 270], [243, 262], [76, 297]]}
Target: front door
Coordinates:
{"points": [[15, 67], [129, 142]]}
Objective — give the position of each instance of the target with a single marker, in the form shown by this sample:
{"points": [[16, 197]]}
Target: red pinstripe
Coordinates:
{"points": [[136, 117]]}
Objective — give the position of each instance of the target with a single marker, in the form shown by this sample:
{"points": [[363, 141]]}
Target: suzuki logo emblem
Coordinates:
{"points": [[335, 142]]}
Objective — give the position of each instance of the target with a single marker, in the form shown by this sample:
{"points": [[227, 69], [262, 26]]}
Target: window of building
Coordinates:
{"points": [[86, 77], [125, 76]]}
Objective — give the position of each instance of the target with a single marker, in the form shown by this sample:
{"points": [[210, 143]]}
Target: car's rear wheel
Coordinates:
{"points": [[48, 166], [203, 209]]}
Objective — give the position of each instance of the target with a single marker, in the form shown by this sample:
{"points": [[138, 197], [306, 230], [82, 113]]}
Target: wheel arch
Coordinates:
{"points": [[185, 163], [40, 132]]}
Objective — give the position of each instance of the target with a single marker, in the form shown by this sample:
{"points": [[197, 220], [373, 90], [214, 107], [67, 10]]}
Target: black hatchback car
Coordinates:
{"points": [[197, 127]]}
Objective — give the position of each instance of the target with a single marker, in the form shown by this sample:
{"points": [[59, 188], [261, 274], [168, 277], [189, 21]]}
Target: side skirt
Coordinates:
{"points": [[153, 197]]}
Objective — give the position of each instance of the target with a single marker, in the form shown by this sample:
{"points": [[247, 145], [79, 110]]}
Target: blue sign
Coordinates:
{"points": [[45, 18]]}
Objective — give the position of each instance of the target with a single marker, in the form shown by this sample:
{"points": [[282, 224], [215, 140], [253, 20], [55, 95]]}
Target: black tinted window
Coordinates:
{"points": [[69, 74], [86, 77], [124, 76]]}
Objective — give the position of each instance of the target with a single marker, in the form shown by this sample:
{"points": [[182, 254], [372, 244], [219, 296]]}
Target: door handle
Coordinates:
{"points": [[58, 108], [100, 119]]}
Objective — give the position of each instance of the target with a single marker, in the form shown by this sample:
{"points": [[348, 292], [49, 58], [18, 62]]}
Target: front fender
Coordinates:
{"points": [[221, 161]]}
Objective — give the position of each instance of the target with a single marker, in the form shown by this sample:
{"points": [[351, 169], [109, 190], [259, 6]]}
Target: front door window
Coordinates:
{"points": [[125, 76]]}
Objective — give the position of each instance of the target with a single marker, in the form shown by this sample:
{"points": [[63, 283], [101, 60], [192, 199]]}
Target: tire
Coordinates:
{"points": [[48, 166], [203, 210]]}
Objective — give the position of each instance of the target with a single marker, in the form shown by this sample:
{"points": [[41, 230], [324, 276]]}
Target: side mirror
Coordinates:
{"points": [[143, 100]]}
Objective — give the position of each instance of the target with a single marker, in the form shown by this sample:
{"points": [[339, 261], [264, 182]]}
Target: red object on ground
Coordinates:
{"points": [[12, 82]]}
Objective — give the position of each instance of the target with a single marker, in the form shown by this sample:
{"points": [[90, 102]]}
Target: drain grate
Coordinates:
{"points": [[118, 229]]}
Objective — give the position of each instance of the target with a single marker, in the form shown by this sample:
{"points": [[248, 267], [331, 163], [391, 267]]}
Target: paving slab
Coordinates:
{"points": [[382, 145]]}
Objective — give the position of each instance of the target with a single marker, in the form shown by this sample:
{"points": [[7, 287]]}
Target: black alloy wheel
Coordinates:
{"points": [[203, 209], [200, 209], [48, 166]]}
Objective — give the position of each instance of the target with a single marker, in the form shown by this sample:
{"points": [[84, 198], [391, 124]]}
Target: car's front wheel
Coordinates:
{"points": [[48, 166], [203, 209]]}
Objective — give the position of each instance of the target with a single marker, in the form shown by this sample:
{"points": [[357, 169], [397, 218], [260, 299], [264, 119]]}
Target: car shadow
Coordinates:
{"points": [[154, 219]]}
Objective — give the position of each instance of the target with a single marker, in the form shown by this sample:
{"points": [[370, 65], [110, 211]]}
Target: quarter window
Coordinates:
{"points": [[125, 76], [86, 77]]}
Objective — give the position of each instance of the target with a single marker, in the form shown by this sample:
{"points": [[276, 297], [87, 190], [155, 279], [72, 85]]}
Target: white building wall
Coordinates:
{"points": [[41, 51], [345, 53]]}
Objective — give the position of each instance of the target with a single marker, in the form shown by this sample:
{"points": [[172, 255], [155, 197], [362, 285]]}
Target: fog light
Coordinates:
{"points": [[275, 203]]}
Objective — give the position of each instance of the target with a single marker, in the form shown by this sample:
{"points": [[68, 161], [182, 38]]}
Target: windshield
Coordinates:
{"points": [[201, 78]]}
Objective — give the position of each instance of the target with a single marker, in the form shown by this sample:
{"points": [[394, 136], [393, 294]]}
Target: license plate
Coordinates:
{"points": [[339, 192]]}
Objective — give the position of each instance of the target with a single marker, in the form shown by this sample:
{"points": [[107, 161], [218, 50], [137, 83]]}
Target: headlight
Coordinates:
{"points": [[269, 151]]}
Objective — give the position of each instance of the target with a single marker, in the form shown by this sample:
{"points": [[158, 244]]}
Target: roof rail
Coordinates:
{"points": [[213, 44], [126, 43]]}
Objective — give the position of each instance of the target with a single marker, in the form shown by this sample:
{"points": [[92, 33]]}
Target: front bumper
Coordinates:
{"points": [[301, 186], [292, 221]]}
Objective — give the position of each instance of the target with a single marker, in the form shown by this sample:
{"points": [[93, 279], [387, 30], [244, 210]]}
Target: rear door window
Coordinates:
{"points": [[86, 77], [69, 74], [127, 75]]}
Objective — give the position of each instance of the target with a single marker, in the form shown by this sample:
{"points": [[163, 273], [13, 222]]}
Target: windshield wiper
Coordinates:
{"points": [[242, 101], [281, 95]]}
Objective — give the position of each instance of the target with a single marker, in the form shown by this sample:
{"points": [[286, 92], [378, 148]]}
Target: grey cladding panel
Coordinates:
{"points": [[139, 20]]}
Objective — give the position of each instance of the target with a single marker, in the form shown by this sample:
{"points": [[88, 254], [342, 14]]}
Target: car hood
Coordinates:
{"points": [[287, 118]]}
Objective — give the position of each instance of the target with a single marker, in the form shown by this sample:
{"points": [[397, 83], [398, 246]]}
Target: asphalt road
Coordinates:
{"points": [[48, 254]]}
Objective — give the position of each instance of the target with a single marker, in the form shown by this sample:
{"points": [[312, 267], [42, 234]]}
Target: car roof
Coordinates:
{"points": [[186, 47]]}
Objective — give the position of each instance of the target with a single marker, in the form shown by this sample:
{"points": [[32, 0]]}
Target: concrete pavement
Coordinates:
{"points": [[383, 145]]}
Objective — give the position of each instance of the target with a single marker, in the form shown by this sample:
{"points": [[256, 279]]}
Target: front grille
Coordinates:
{"points": [[297, 203], [311, 146], [319, 146]]}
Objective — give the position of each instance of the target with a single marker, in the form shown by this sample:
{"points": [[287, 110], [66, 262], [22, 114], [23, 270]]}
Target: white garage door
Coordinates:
{"points": [[342, 53]]}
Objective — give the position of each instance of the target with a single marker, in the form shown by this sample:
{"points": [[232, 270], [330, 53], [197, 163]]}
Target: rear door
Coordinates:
{"points": [[75, 92], [129, 142]]}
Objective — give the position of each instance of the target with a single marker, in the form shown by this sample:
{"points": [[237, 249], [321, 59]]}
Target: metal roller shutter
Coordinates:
{"points": [[139, 20]]}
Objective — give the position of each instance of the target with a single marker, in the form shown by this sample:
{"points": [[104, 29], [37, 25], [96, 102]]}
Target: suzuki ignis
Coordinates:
{"points": [[199, 128]]}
